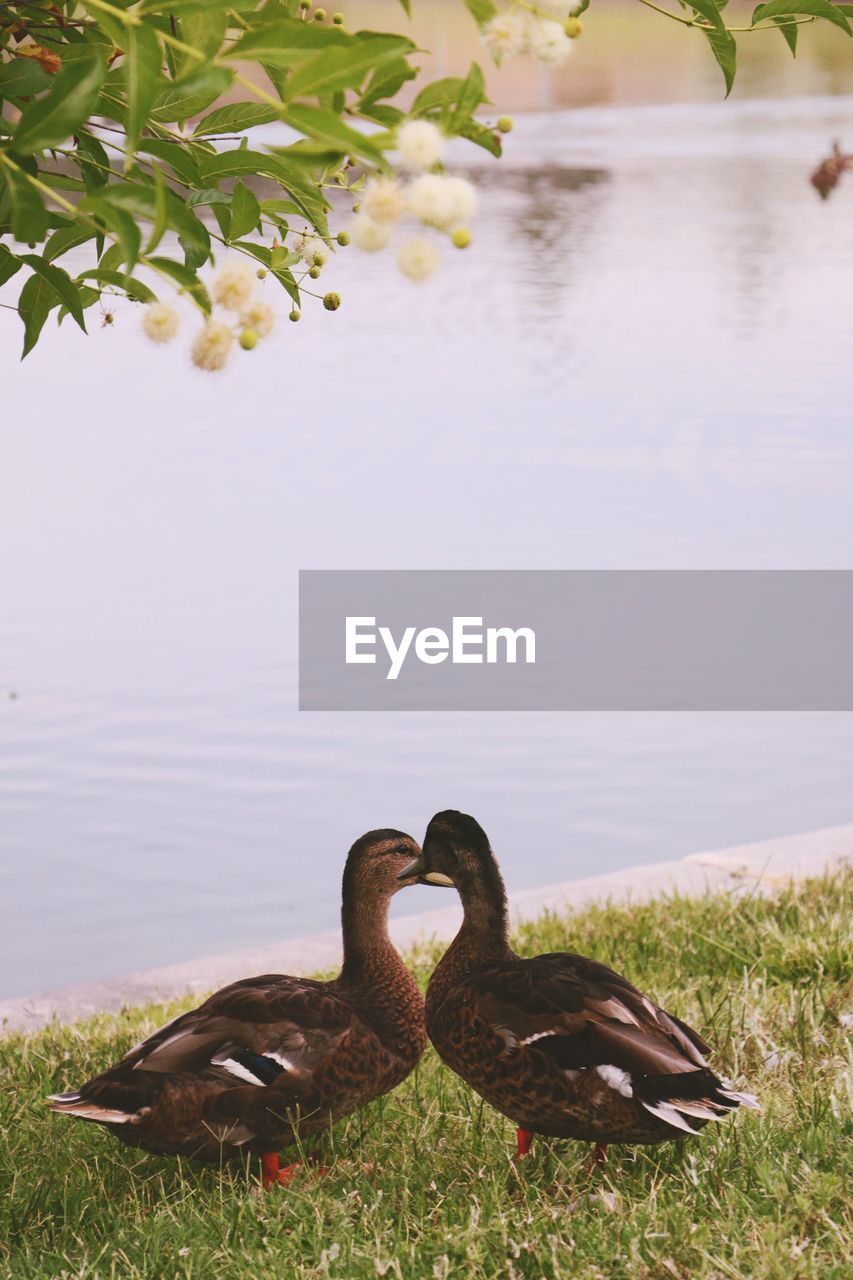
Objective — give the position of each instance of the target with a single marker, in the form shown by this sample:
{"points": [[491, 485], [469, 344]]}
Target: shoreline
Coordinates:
{"points": [[758, 867]]}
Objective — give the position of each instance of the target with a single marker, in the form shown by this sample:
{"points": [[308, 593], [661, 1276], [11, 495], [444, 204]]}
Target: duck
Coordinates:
{"points": [[560, 1044], [269, 1061]]}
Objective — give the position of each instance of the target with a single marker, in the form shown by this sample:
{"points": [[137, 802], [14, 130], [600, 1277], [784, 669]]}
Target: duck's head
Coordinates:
{"points": [[455, 854], [377, 862]]}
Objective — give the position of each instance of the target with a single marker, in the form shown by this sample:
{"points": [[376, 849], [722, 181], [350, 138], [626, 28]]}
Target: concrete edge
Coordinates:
{"points": [[762, 867]]}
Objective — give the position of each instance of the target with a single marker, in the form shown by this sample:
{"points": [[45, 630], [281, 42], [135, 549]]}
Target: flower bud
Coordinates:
{"points": [[314, 273], [295, 315], [338, 19], [261, 273], [332, 301], [573, 28], [505, 124], [320, 15], [342, 237], [249, 339], [461, 237]]}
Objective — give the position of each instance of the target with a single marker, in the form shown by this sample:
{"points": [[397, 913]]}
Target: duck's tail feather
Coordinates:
{"points": [[73, 1104], [699, 1095]]}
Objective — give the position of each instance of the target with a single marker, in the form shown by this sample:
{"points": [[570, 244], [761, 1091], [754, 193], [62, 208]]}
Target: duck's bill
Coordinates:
{"points": [[417, 871]]}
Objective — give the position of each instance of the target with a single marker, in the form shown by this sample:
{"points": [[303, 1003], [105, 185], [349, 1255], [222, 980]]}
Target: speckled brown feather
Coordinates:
{"points": [[560, 1044], [332, 1047]]}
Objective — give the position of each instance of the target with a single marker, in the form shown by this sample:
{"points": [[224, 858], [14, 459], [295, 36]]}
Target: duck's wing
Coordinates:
{"points": [[261, 1043], [582, 1016]]}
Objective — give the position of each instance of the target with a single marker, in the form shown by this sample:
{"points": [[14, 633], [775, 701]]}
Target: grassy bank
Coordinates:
{"points": [[422, 1184]]}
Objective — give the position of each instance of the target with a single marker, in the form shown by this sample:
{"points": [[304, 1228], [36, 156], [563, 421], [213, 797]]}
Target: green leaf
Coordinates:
{"points": [[66, 238], [142, 66], [195, 6], [119, 222], [439, 94], [287, 42], [789, 31], [710, 10], [482, 136], [23, 78], [344, 67], [482, 11], [243, 162], [37, 300], [53, 118], [29, 216], [724, 50], [191, 94], [9, 264], [235, 118], [385, 115], [387, 81], [61, 283], [185, 279], [111, 258], [134, 288], [245, 211], [802, 8], [204, 31], [180, 156], [161, 210], [326, 126], [471, 95], [92, 161]]}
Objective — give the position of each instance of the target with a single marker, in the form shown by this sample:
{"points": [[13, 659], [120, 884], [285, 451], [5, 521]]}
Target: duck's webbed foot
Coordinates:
{"points": [[524, 1141], [273, 1174]]}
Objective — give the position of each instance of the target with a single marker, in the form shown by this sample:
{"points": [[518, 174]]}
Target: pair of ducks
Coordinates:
{"points": [[560, 1044]]}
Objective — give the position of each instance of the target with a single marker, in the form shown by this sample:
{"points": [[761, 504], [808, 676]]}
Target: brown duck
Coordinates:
{"points": [[559, 1044], [269, 1058]]}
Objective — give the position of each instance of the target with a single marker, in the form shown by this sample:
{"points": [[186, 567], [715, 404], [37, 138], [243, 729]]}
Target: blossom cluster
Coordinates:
{"points": [[420, 188], [544, 31], [248, 318]]}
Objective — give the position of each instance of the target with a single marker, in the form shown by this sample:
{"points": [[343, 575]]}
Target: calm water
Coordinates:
{"points": [[643, 362]]}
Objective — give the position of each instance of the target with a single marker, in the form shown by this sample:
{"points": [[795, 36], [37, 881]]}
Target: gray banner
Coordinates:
{"points": [[609, 640]]}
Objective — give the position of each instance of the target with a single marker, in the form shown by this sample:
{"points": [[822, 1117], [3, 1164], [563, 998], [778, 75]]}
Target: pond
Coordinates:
{"points": [[643, 361]]}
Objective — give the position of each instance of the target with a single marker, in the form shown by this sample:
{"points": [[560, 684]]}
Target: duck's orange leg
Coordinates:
{"points": [[273, 1174], [523, 1139]]}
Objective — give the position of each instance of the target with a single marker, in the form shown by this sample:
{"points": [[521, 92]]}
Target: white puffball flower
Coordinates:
{"points": [[463, 197], [432, 199], [505, 35], [383, 200], [260, 317], [312, 250], [548, 42], [369, 235], [233, 285], [418, 259], [420, 144], [160, 322], [211, 347]]}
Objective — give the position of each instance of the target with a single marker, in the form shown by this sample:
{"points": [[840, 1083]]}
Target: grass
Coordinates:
{"points": [[422, 1183]]}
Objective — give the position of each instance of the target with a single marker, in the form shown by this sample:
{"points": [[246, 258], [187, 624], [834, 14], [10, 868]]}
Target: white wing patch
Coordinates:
{"points": [[617, 1079], [538, 1035], [287, 1063], [237, 1069]]}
